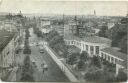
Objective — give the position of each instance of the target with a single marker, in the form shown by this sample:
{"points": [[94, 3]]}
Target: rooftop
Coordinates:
{"points": [[73, 49], [5, 38], [91, 39], [118, 54], [115, 53]]}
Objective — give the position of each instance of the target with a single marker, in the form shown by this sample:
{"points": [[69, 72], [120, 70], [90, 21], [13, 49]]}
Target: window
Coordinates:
{"points": [[112, 59], [97, 49], [102, 55], [72, 42], [108, 58], [91, 49], [87, 47]]}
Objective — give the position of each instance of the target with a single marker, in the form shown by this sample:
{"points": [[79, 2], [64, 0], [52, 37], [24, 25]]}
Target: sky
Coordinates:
{"points": [[65, 7]]}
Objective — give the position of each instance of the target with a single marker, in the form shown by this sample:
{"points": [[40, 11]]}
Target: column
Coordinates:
{"points": [[88, 49], [69, 42], [106, 57], [114, 60], [100, 54], [83, 47], [94, 47], [117, 69], [103, 56], [110, 59]]}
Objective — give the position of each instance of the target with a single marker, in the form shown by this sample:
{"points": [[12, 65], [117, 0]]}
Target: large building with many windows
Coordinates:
{"points": [[8, 46]]}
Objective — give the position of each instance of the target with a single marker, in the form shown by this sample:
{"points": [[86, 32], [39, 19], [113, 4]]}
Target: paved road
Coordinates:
{"points": [[54, 73]]}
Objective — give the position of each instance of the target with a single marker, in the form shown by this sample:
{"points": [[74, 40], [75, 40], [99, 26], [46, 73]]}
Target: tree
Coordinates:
{"points": [[93, 76], [27, 49], [56, 42], [84, 56], [27, 78], [39, 34], [122, 77], [71, 59], [123, 44], [80, 64], [9, 16], [118, 35], [124, 20], [96, 61], [27, 70], [103, 31]]}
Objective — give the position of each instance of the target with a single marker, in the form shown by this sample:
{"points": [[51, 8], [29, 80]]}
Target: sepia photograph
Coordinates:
{"points": [[63, 41]]}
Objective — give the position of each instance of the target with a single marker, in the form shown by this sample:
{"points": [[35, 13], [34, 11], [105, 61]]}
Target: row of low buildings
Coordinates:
{"points": [[99, 46]]}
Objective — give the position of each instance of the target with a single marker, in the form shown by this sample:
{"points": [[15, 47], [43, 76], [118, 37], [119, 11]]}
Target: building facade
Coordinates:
{"points": [[113, 56], [8, 25], [90, 44], [46, 29], [8, 45], [44, 25]]}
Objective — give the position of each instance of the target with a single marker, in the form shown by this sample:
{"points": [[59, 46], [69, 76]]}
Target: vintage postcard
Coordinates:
{"points": [[63, 41]]}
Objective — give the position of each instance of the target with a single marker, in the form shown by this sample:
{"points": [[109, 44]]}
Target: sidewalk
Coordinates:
{"points": [[65, 69]]}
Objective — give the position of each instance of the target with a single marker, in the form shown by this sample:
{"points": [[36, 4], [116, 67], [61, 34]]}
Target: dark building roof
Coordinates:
{"points": [[73, 49], [5, 38], [118, 54], [91, 39], [115, 53]]}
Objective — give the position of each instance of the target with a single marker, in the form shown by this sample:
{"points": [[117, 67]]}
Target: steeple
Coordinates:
{"points": [[127, 14], [20, 13], [94, 13], [63, 19], [75, 19]]}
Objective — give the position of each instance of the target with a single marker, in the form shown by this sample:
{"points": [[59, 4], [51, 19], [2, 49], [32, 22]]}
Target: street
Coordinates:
{"points": [[54, 73]]}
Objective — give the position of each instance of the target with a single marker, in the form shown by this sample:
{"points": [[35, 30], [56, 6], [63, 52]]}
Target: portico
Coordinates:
{"points": [[113, 56]]}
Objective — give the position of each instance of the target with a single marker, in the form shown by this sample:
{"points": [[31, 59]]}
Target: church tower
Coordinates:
{"points": [[20, 13], [94, 13]]}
